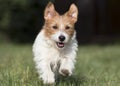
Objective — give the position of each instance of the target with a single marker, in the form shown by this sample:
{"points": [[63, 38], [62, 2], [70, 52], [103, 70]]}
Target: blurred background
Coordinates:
{"points": [[98, 22]]}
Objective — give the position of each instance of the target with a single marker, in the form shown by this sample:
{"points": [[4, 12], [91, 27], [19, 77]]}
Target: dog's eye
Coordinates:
{"points": [[67, 27], [54, 27]]}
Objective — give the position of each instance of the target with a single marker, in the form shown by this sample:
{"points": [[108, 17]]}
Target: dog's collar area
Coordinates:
{"points": [[60, 44]]}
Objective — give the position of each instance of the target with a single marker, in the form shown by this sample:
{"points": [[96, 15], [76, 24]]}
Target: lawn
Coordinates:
{"points": [[96, 65]]}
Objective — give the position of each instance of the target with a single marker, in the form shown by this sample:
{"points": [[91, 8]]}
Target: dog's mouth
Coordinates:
{"points": [[60, 44]]}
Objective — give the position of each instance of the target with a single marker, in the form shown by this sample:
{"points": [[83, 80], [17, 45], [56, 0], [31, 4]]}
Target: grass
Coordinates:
{"points": [[96, 66]]}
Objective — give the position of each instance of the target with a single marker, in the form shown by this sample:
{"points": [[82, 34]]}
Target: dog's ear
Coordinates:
{"points": [[49, 11], [73, 12]]}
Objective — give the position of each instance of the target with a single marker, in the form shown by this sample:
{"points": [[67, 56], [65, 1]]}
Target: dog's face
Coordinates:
{"points": [[60, 28]]}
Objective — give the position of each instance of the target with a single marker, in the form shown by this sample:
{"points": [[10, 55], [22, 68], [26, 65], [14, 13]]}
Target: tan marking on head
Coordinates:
{"points": [[72, 13], [52, 18], [68, 25], [49, 27]]}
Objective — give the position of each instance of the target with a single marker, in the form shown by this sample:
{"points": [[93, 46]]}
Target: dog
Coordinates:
{"points": [[55, 46]]}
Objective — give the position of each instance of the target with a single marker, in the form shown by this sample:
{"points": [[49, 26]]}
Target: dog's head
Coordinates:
{"points": [[60, 28]]}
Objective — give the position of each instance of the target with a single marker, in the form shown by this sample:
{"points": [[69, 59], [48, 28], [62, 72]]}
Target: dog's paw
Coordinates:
{"points": [[48, 79], [65, 72], [50, 84]]}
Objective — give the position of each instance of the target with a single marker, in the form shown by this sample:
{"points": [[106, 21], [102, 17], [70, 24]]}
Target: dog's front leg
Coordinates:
{"points": [[46, 73], [66, 66]]}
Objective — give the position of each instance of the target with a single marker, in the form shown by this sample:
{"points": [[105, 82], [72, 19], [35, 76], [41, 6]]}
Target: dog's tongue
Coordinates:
{"points": [[60, 44]]}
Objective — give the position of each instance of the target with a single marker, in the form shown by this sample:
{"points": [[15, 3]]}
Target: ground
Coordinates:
{"points": [[97, 65]]}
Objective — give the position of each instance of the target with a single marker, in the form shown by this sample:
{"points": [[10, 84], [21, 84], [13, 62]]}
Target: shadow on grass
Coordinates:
{"points": [[74, 80]]}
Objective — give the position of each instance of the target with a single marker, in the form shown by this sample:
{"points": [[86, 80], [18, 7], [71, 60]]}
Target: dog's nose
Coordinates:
{"points": [[61, 38]]}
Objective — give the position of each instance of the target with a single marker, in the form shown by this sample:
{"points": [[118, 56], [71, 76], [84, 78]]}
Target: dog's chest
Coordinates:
{"points": [[55, 58]]}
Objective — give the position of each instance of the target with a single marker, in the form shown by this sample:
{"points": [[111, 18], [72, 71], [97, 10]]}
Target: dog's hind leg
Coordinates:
{"points": [[46, 73]]}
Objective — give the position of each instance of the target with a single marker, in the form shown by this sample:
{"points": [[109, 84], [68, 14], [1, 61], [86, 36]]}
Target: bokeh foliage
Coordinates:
{"points": [[21, 19]]}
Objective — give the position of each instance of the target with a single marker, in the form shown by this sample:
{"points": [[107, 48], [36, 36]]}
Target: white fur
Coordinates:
{"points": [[46, 54]]}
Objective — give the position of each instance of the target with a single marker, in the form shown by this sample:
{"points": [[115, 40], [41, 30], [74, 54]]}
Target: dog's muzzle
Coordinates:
{"points": [[61, 43]]}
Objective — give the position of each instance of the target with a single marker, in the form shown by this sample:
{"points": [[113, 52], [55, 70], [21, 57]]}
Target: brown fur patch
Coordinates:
{"points": [[54, 21], [65, 72], [57, 21]]}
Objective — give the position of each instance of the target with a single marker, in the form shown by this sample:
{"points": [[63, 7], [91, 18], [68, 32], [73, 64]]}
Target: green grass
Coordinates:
{"points": [[96, 66]]}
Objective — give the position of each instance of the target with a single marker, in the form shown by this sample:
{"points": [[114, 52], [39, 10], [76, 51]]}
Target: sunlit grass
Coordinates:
{"points": [[96, 66]]}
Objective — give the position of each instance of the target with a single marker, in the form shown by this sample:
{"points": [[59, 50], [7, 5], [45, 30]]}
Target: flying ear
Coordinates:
{"points": [[49, 11], [73, 12]]}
